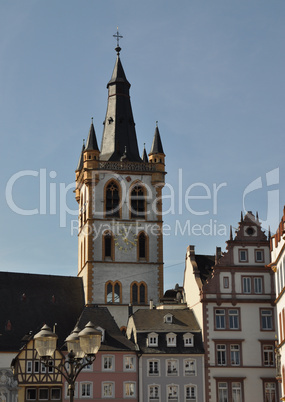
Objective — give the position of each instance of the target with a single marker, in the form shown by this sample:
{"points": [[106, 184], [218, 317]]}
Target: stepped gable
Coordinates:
{"points": [[249, 232]]}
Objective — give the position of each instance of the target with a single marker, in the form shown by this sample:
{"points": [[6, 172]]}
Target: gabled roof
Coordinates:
{"points": [[29, 300], [115, 340]]}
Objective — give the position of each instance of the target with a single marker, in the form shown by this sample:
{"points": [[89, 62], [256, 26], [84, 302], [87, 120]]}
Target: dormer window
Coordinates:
{"points": [[171, 339], [103, 333], [188, 340], [152, 340], [168, 318]]}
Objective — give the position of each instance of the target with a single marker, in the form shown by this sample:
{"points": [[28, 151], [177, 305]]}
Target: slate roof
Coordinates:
{"points": [[115, 340], [119, 135], [156, 147], [29, 300], [91, 143], [80, 162], [183, 321]]}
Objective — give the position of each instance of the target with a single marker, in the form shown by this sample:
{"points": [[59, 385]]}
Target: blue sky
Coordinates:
{"points": [[210, 72]]}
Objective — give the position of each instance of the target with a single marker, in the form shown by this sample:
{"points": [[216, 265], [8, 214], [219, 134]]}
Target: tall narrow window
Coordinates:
{"points": [[112, 206], [108, 246], [138, 293], [223, 392], [142, 245], [113, 292], [270, 392], [138, 202], [135, 293]]}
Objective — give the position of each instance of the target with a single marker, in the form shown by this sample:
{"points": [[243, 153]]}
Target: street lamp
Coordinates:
{"points": [[82, 347]]}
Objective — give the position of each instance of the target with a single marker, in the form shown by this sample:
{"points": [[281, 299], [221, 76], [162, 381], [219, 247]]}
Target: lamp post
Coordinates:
{"points": [[82, 347]]}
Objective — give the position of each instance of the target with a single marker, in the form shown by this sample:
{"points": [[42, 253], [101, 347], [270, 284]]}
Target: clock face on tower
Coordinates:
{"points": [[125, 239]]}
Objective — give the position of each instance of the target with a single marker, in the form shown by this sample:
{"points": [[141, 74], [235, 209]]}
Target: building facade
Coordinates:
{"points": [[277, 246], [237, 313], [171, 354], [120, 245]]}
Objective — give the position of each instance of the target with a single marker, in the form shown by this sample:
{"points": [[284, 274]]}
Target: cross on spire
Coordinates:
{"points": [[118, 36]]}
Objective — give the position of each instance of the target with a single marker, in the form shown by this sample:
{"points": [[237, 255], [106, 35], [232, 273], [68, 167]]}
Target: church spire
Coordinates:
{"points": [[119, 127]]}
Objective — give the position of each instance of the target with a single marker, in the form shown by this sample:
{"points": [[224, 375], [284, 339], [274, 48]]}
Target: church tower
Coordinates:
{"points": [[120, 242]]}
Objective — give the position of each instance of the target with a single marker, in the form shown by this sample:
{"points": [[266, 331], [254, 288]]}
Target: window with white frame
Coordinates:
{"points": [[220, 315], [190, 367], [108, 390], [246, 284], [190, 393], [236, 392], [270, 392], [266, 319], [129, 363], [243, 257], [36, 366], [233, 318], [154, 393], [29, 368], [152, 340], [89, 367], [171, 339], [223, 392], [66, 393], [259, 256], [268, 355], [221, 355], [153, 367], [172, 367], [108, 362], [43, 368], [129, 389], [257, 285], [172, 393], [188, 340], [235, 355], [86, 390]]}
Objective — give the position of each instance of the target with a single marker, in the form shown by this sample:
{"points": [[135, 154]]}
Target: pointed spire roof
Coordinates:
{"points": [[91, 140], [156, 147], [119, 127], [80, 162], [144, 155]]}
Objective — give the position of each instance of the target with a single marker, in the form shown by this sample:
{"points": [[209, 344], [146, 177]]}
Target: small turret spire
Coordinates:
{"points": [[91, 144], [156, 147], [241, 216], [80, 162], [231, 233], [144, 155]]}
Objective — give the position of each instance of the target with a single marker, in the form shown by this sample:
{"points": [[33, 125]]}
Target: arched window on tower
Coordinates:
{"points": [[138, 293], [113, 292], [108, 245], [138, 202], [112, 200], [142, 247]]}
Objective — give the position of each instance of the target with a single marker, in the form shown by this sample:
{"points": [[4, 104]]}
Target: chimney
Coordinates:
{"points": [[130, 309], [151, 304], [218, 254]]}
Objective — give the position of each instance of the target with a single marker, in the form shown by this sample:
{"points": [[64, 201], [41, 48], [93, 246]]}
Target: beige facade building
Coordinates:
{"points": [[232, 295]]}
